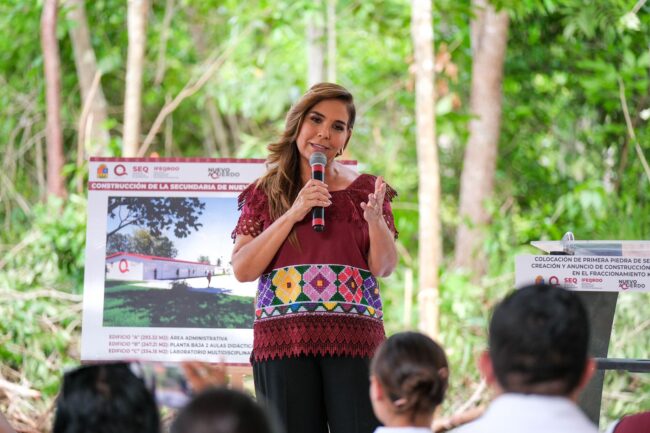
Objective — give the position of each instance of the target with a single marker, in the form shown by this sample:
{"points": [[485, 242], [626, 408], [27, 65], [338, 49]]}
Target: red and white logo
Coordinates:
{"points": [[119, 170], [123, 266]]}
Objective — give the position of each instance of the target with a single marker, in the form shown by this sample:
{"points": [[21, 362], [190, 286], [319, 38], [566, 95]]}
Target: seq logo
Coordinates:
{"points": [[102, 171]]}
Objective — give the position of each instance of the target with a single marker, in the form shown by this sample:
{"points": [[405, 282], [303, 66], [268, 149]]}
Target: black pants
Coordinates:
{"points": [[310, 393]]}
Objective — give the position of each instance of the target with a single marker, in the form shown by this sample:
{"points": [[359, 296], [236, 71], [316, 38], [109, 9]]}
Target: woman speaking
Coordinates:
{"points": [[319, 313]]}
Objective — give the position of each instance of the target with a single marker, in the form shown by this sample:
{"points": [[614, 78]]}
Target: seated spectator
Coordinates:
{"points": [[222, 410], [636, 423], [537, 362], [408, 380], [105, 398]]}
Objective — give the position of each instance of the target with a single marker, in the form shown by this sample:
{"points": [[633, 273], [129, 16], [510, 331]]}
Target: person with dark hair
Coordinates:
{"points": [[537, 362], [105, 398], [222, 410], [319, 311], [409, 377]]}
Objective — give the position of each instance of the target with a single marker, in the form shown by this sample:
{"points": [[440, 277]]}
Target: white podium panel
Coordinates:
{"points": [[591, 273]]}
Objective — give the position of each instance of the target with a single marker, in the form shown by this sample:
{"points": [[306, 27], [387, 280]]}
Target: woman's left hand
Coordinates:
{"points": [[382, 255], [373, 209]]}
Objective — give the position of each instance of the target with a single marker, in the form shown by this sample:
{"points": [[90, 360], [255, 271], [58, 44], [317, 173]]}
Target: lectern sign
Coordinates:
{"points": [[589, 273]]}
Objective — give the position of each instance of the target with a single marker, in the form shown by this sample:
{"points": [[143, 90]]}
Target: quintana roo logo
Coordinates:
{"points": [[102, 171]]}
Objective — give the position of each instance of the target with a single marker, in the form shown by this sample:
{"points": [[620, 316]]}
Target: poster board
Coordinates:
{"points": [[158, 284]]}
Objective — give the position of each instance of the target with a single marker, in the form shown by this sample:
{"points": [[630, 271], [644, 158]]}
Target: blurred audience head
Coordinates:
{"points": [[538, 340], [222, 410], [409, 376], [105, 398]]}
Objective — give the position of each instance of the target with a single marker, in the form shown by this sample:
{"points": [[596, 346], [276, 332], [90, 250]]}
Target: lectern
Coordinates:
{"points": [[598, 271]]}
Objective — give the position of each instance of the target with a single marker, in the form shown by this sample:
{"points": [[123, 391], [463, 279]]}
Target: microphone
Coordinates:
{"points": [[318, 161]]}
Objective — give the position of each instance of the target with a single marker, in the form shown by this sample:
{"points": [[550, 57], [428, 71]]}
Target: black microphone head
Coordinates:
{"points": [[317, 158]]}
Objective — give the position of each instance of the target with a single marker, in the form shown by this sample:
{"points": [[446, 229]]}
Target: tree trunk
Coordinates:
{"points": [[211, 104], [235, 130], [209, 145], [331, 41], [489, 38], [137, 24], [218, 127], [169, 131], [52, 66], [315, 46], [86, 64], [427, 151], [162, 46]]}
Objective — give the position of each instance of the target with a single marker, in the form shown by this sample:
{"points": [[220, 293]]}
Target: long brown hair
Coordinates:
{"points": [[282, 181]]}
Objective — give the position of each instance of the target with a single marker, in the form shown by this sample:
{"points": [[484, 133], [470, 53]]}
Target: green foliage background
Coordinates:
{"points": [[565, 159]]}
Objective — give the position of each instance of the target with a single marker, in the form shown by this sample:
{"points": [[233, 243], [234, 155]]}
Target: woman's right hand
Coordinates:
{"points": [[313, 194], [252, 254]]}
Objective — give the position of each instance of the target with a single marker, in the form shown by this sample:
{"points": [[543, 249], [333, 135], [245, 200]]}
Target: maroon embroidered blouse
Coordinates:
{"points": [[320, 299]]}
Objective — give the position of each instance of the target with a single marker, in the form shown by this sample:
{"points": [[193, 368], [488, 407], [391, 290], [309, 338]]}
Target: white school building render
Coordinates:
{"points": [[140, 267]]}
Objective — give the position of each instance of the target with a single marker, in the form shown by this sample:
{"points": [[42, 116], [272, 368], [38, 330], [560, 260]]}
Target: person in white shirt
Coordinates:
{"points": [[537, 363], [408, 379]]}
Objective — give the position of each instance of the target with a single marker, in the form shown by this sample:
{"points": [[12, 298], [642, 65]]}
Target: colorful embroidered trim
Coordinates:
{"points": [[316, 335], [318, 288]]}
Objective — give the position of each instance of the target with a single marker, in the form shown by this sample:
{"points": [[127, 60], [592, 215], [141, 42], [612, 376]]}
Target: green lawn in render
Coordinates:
{"points": [[128, 304]]}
